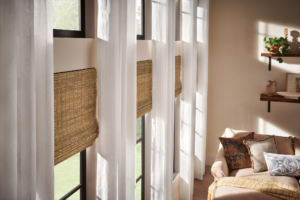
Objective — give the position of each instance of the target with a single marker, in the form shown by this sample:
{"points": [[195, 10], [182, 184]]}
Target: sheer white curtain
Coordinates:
{"points": [[202, 84], [188, 98], [162, 114], [116, 55], [26, 100], [194, 94]]}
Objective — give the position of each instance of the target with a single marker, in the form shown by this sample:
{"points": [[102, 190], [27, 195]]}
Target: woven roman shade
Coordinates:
{"points": [[144, 87], [178, 84], [75, 123]]}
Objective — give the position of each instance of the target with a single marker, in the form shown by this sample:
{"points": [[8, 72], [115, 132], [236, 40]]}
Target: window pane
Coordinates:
{"points": [[75, 196], [138, 128], [66, 15], [139, 17], [138, 190], [138, 163], [67, 175]]}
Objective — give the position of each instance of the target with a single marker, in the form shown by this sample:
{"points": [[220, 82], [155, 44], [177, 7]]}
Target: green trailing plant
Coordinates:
{"points": [[277, 42]]}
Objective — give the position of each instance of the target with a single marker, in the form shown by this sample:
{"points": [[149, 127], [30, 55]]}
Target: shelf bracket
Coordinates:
{"points": [[269, 106], [270, 61]]}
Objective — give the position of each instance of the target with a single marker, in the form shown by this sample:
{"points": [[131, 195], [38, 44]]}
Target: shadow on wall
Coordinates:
{"points": [[295, 44]]}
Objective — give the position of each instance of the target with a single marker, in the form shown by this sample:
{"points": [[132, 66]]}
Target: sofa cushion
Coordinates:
{"points": [[232, 193], [284, 145], [235, 152], [248, 172], [297, 146], [256, 149]]}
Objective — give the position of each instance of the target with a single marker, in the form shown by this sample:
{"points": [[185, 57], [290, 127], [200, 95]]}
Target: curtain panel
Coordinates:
{"points": [[162, 114], [188, 98], [117, 75], [26, 100], [194, 94], [202, 87]]}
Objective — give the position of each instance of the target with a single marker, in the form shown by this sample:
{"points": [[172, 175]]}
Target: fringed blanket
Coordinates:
{"points": [[279, 190]]}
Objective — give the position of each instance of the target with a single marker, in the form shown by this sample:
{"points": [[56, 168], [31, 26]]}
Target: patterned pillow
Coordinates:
{"points": [[236, 153], [282, 165]]}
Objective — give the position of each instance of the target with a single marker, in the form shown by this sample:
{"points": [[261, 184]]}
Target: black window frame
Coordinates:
{"points": [[142, 36], [82, 185], [72, 33], [142, 176]]}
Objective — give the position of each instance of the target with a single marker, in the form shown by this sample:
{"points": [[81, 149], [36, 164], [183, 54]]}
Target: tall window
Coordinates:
{"points": [[140, 19], [69, 18], [70, 178], [140, 158]]}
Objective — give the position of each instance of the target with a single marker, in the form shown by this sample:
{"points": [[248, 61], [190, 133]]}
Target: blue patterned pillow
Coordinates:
{"points": [[282, 165]]}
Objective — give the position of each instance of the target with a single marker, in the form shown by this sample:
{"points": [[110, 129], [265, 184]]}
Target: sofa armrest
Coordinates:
{"points": [[219, 168]]}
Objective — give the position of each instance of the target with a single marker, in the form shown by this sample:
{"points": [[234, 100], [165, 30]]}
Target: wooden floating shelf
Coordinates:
{"points": [[277, 98], [270, 55], [275, 55]]}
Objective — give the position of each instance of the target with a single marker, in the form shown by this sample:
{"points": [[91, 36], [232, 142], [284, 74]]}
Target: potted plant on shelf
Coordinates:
{"points": [[273, 46]]}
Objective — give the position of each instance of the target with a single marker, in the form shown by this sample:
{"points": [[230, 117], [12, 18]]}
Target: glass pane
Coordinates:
{"points": [[67, 176], [138, 190], [66, 15], [138, 162], [139, 17], [75, 196], [138, 128]]}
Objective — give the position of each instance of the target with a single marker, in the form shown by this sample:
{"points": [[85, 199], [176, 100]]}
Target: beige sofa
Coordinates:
{"points": [[220, 169]]}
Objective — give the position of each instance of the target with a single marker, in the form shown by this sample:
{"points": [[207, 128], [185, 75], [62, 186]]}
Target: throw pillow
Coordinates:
{"points": [[236, 153], [282, 165], [256, 149]]}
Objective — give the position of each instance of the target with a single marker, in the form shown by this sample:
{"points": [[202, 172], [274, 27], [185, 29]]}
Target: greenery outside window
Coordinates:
{"points": [[140, 158], [69, 18], [140, 19], [70, 178]]}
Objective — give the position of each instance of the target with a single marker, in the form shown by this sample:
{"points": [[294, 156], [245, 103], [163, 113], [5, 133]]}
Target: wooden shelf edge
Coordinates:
{"points": [[277, 98], [275, 55]]}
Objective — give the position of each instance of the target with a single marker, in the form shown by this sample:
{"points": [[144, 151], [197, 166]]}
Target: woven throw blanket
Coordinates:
{"points": [[279, 190]]}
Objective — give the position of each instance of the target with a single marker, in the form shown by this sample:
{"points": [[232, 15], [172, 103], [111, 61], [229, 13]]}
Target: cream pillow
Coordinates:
{"points": [[256, 150]]}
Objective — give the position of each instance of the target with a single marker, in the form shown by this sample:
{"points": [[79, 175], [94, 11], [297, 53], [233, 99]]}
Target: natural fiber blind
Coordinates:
{"points": [[144, 87], [75, 122], [178, 84]]}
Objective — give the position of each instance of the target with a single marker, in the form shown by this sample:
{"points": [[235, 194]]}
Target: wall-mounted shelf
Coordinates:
{"points": [[277, 98], [275, 55]]}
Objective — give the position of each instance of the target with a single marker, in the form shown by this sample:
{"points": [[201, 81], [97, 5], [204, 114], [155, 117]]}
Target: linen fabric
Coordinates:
{"points": [[282, 165], [26, 100], [188, 98], [117, 75], [236, 153], [162, 113], [201, 88], [256, 149]]}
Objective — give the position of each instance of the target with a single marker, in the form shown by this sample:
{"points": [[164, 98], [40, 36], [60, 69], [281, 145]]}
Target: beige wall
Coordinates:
{"points": [[237, 73]]}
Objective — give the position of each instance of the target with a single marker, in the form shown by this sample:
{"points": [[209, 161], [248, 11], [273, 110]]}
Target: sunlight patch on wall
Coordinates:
{"points": [[268, 128]]}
